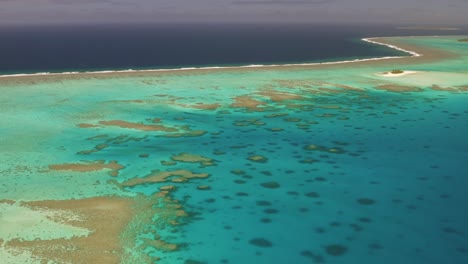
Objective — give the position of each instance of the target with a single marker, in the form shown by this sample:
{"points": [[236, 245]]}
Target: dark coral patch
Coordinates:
{"points": [[263, 203], [398, 88], [309, 161], [365, 220], [312, 195], [238, 172], [309, 254], [336, 250], [192, 261], [261, 242], [168, 163], [275, 129], [375, 246], [271, 185], [365, 201], [450, 230], [335, 150], [270, 211], [340, 143]]}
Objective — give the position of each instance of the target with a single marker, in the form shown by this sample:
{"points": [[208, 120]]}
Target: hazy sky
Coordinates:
{"points": [[409, 12]]}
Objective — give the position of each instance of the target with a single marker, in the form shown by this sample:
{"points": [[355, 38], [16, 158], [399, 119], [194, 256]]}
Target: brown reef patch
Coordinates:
{"points": [[193, 158], [443, 89], [330, 90], [398, 88], [84, 125], [249, 122], [335, 150], [101, 136], [97, 148], [5, 201], [167, 188], [277, 96], [258, 158], [203, 187], [137, 126], [113, 166], [347, 87], [161, 245], [165, 176], [462, 88], [248, 102], [238, 172], [275, 129], [154, 120], [137, 101], [168, 163]]}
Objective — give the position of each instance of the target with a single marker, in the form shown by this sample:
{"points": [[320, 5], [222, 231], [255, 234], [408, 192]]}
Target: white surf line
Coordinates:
{"points": [[369, 40], [412, 53]]}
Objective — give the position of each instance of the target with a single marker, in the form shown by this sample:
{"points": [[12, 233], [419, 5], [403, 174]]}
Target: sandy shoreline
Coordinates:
{"points": [[414, 52]]}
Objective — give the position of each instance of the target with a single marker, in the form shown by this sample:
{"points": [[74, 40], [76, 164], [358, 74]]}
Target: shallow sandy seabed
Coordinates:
{"points": [[92, 225]]}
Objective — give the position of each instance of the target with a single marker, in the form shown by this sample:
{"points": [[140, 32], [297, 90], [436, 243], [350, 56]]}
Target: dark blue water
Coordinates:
{"points": [[84, 48]]}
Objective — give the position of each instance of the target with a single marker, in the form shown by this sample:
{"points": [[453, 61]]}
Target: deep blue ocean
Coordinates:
{"points": [[34, 49]]}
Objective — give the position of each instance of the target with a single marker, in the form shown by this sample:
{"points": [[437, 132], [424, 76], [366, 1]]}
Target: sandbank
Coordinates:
{"points": [[390, 74]]}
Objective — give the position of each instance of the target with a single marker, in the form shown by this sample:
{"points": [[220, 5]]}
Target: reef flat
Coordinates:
{"points": [[353, 162]]}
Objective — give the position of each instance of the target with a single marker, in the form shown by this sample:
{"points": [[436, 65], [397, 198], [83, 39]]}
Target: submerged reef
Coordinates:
{"points": [[164, 176], [113, 166]]}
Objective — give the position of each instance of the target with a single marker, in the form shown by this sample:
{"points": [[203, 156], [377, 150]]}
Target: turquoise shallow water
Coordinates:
{"points": [[350, 173]]}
